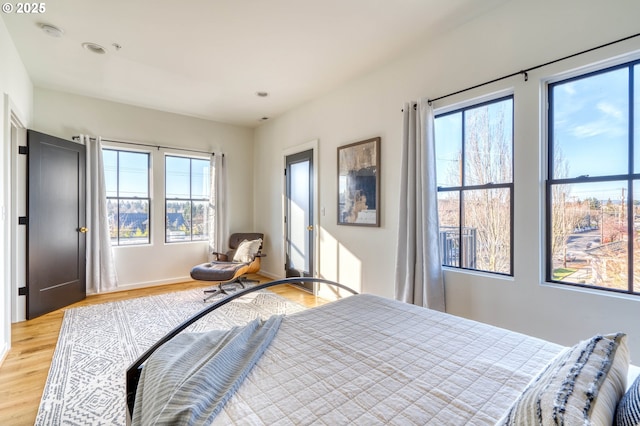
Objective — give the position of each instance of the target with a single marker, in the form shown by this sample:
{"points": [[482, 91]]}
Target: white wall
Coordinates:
{"points": [[17, 98], [66, 115], [517, 35]]}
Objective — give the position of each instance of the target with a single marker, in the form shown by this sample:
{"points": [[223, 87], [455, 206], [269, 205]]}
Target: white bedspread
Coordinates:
{"points": [[368, 360]]}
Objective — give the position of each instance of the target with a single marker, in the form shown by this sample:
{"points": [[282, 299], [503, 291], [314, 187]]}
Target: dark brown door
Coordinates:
{"points": [[55, 223]]}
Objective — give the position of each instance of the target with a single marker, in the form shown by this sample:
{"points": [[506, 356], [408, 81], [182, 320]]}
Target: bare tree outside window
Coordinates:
{"points": [[474, 149]]}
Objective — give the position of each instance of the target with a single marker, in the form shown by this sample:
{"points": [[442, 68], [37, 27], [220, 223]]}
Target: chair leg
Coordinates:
{"points": [[238, 281], [219, 289], [248, 280], [243, 280], [214, 292]]}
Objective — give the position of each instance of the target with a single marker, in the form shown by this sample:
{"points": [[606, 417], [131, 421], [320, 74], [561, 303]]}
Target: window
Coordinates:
{"points": [[127, 184], [187, 199], [593, 185], [474, 162]]}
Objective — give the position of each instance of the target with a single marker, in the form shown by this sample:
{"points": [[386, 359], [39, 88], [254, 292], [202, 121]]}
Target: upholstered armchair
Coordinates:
{"points": [[230, 269]]}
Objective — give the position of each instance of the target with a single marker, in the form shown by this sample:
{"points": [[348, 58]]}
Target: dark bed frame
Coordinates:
{"points": [[133, 372]]}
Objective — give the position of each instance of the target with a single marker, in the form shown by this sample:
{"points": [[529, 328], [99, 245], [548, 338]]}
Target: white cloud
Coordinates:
{"points": [[600, 127], [610, 110], [589, 130]]}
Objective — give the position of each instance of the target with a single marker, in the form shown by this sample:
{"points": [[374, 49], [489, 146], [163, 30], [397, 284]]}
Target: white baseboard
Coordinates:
{"points": [[270, 275], [148, 284], [175, 281], [4, 351]]}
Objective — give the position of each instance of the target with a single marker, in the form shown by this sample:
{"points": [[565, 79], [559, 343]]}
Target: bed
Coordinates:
{"points": [[368, 360]]}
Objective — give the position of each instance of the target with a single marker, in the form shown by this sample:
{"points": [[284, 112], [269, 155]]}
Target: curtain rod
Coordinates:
{"points": [[525, 72], [149, 145]]}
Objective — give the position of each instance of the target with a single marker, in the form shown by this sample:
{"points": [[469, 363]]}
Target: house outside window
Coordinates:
{"points": [[128, 201], [187, 186], [474, 162], [593, 184]]}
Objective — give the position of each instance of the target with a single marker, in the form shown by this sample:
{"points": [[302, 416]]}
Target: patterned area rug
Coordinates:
{"points": [[96, 345]]}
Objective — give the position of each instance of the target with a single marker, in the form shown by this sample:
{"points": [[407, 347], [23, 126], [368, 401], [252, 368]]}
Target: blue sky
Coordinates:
{"points": [[177, 177], [591, 124], [590, 131], [134, 175], [591, 128]]}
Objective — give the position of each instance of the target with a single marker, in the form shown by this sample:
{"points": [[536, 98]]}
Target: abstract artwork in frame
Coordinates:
{"points": [[359, 183]]}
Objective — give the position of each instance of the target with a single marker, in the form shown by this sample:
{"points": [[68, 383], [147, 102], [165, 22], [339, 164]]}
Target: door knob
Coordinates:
{"points": [[83, 230], [310, 228]]}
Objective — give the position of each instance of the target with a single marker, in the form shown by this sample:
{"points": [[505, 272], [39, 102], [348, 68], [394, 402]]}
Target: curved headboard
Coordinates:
{"points": [[134, 370]]}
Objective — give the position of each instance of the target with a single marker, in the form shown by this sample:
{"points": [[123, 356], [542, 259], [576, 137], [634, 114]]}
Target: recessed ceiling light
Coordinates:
{"points": [[95, 48], [262, 94], [51, 30], [264, 118]]}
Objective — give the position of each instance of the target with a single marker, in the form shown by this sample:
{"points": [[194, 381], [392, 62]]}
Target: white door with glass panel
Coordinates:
{"points": [[299, 216]]}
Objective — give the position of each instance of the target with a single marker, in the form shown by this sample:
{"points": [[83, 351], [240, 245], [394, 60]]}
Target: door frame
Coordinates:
{"points": [[18, 268], [14, 129], [313, 146]]}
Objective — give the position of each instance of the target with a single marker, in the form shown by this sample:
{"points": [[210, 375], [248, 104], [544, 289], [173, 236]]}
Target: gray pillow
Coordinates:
{"points": [[628, 413]]}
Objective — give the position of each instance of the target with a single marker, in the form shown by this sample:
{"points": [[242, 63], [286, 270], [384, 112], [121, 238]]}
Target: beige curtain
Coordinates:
{"points": [[101, 269], [218, 228], [419, 278]]}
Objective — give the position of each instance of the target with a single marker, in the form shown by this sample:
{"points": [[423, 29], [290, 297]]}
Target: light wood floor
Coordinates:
{"points": [[24, 371]]}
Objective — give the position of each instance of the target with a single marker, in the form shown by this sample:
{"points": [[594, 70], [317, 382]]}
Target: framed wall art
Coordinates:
{"points": [[359, 183]]}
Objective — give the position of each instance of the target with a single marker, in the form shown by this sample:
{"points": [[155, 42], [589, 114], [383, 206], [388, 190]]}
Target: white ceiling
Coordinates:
{"points": [[208, 58]]}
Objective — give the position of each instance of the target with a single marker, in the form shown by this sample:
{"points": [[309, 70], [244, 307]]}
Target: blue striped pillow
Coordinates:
{"points": [[628, 412]]}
